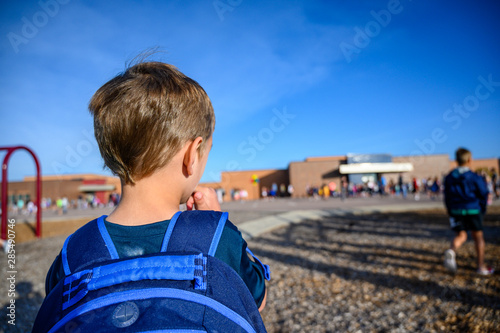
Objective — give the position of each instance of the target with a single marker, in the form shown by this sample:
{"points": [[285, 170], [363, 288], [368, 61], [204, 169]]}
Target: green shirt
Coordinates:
{"points": [[147, 239]]}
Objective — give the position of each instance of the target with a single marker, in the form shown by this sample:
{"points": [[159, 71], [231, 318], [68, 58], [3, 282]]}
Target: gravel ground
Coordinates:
{"points": [[377, 273]]}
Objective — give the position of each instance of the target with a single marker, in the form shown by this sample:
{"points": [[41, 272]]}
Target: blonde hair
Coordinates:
{"points": [[143, 116]]}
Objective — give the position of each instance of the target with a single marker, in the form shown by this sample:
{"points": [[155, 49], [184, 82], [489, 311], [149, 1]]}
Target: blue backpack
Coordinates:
{"points": [[184, 288]]}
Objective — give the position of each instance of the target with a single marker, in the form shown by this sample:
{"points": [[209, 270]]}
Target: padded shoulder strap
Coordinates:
{"points": [[194, 231], [88, 245]]}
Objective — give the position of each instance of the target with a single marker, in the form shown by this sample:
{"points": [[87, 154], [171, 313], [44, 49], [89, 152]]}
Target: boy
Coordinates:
{"points": [[154, 129], [465, 196]]}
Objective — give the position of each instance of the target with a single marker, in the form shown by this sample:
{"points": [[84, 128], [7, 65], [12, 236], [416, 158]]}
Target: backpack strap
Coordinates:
{"points": [[168, 233], [208, 225], [218, 234], [265, 268], [107, 238], [91, 243]]}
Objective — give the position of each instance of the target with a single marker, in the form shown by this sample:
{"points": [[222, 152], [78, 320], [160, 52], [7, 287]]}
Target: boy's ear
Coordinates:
{"points": [[191, 154]]}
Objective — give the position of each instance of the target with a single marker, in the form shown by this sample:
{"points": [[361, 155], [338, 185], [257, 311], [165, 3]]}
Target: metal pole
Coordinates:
{"points": [[5, 163], [38, 197], [4, 193]]}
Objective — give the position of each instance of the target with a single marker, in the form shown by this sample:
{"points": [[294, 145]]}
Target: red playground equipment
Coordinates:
{"points": [[5, 166]]}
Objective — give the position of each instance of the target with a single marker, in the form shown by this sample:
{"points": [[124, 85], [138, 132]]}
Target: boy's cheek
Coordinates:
{"points": [[188, 195], [185, 200]]}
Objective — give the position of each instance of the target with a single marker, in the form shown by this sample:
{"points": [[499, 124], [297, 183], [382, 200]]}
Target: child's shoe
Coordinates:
{"points": [[449, 260], [486, 271]]}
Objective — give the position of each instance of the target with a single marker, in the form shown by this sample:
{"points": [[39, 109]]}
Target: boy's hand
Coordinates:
{"points": [[203, 198]]}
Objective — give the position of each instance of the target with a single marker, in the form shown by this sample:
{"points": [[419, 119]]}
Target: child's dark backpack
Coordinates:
{"points": [[182, 289]]}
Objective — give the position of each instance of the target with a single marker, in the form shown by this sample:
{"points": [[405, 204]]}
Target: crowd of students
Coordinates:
{"points": [[61, 205], [416, 187], [275, 191]]}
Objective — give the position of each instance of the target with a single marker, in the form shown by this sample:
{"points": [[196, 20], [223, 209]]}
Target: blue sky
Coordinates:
{"points": [[288, 79]]}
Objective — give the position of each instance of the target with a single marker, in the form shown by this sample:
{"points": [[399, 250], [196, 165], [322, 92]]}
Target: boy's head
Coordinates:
{"points": [[144, 116], [462, 156]]}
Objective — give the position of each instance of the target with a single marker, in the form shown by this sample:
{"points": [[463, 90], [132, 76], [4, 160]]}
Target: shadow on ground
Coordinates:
{"points": [[20, 317], [389, 252]]}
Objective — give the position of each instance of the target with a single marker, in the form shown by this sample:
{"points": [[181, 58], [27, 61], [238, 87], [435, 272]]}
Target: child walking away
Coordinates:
{"points": [[147, 266], [465, 196]]}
